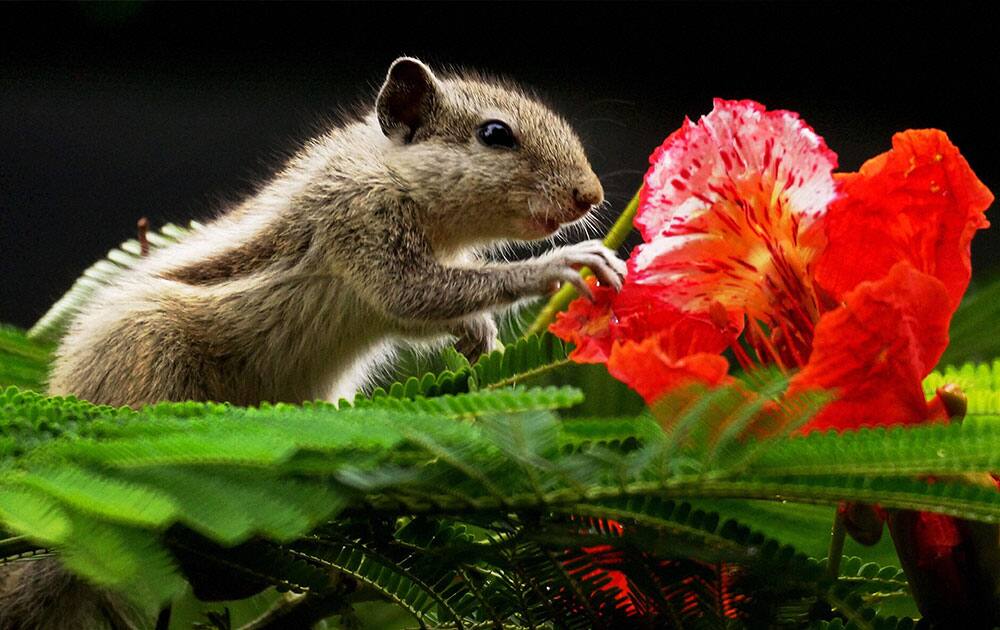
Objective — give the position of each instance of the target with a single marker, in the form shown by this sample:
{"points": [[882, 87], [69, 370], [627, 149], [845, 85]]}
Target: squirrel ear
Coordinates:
{"points": [[407, 98]]}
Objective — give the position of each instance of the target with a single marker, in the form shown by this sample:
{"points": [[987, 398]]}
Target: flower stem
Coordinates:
{"points": [[836, 551], [558, 302]]}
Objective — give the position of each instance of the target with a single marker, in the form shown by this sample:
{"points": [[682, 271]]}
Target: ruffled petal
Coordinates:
{"points": [[919, 202], [651, 369], [634, 314], [642, 311], [588, 325], [874, 351], [730, 207]]}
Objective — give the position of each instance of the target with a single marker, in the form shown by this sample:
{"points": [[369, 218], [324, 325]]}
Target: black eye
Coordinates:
{"points": [[496, 133]]}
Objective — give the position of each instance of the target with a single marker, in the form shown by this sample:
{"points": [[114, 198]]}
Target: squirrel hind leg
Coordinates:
{"points": [[42, 595], [125, 366]]}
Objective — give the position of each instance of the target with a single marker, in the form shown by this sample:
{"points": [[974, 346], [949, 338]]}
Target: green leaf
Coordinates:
{"points": [[421, 598], [954, 499], [526, 358], [898, 450], [26, 510], [214, 501], [523, 359], [496, 458], [23, 362], [100, 496], [971, 337], [980, 382], [686, 531], [579, 434], [803, 526], [870, 578], [478, 402], [123, 558]]}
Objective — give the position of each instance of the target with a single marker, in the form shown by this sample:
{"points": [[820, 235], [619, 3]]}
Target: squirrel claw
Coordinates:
{"points": [[561, 266]]}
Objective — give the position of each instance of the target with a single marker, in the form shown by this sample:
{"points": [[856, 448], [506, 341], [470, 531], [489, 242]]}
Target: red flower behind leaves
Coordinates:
{"points": [[747, 233], [607, 565], [849, 288]]}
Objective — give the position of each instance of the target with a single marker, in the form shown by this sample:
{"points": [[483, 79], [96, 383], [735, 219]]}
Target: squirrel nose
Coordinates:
{"points": [[588, 194]]}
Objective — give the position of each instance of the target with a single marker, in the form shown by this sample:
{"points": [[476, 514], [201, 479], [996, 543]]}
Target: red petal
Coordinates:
{"points": [[637, 312], [650, 367], [641, 311], [919, 202], [588, 325], [874, 351]]}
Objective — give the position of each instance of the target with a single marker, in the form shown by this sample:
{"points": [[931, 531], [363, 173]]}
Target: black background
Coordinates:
{"points": [[113, 111]]}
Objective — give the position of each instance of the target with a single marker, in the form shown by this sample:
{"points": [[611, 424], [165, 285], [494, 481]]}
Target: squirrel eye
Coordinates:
{"points": [[496, 133]]}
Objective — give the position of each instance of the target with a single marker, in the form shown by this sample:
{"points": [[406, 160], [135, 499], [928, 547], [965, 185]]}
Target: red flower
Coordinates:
{"points": [[588, 325], [647, 343], [898, 257], [849, 288], [747, 234]]}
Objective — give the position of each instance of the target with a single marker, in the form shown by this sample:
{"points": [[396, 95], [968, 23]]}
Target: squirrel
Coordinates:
{"points": [[364, 237], [367, 236]]}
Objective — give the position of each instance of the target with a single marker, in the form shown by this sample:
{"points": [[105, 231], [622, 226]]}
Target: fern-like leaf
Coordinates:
{"points": [[886, 451], [23, 362], [871, 580], [980, 382], [477, 402], [523, 359], [509, 366]]}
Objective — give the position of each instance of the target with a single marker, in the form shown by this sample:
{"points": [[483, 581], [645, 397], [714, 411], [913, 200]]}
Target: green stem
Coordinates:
{"points": [[521, 376], [558, 302], [836, 551]]}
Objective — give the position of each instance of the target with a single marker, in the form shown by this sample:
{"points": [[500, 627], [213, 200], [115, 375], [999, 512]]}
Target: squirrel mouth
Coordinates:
{"points": [[552, 223], [549, 225]]}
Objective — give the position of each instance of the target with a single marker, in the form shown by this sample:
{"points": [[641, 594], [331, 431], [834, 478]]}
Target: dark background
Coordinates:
{"points": [[113, 111]]}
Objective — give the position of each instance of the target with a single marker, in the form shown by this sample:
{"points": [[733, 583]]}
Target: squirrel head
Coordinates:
{"points": [[482, 158]]}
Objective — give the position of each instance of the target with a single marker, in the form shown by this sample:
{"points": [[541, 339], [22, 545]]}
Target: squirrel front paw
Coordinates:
{"points": [[477, 335], [562, 265]]}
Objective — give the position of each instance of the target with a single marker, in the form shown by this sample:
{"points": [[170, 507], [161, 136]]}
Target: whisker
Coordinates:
{"points": [[622, 171]]}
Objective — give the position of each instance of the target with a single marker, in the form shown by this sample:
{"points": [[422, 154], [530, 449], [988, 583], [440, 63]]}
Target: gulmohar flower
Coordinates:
{"points": [[846, 282]]}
